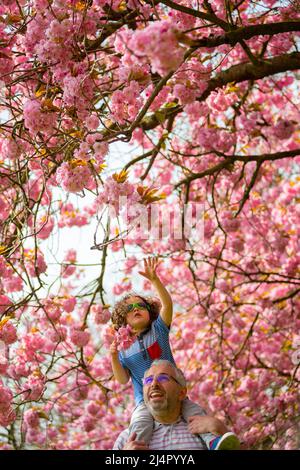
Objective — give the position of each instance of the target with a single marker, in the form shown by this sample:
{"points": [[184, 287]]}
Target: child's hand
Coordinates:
{"points": [[150, 265], [113, 348]]}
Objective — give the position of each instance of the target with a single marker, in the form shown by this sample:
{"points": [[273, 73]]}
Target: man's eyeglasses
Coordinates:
{"points": [[161, 378], [131, 307]]}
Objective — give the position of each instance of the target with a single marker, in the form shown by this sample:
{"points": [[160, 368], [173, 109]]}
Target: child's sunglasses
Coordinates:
{"points": [[131, 307]]}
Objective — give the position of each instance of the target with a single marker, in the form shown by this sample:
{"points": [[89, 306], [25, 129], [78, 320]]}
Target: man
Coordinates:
{"points": [[164, 390]]}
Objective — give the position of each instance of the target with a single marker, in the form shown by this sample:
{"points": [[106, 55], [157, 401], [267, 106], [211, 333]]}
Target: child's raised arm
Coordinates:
{"points": [[150, 265]]}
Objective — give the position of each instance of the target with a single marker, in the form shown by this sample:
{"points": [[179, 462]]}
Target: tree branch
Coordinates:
{"points": [[230, 159], [248, 71], [247, 32], [236, 73]]}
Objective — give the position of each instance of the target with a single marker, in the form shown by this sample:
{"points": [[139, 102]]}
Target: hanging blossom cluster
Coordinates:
{"points": [[155, 43]]}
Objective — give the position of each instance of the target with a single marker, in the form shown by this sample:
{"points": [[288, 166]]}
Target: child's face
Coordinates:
{"points": [[138, 317]]}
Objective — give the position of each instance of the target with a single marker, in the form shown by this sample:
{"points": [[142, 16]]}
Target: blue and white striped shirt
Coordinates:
{"points": [[150, 345]]}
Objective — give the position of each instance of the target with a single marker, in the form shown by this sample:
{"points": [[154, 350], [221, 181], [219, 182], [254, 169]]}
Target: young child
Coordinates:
{"points": [[151, 325]]}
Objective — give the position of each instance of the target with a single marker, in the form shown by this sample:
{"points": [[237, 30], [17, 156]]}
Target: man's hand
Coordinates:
{"points": [[133, 444], [202, 424], [150, 265]]}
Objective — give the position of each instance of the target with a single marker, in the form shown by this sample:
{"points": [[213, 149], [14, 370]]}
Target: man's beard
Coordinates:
{"points": [[156, 407]]}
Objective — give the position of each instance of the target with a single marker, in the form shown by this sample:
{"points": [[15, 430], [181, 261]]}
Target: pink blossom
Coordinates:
{"points": [[162, 97], [125, 337], [220, 101], [35, 32], [8, 333], [74, 176], [52, 309], [89, 423], [7, 416], [125, 104], [114, 193], [92, 122], [69, 269], [93, 408], [6, 66], [130, 263], [100, 150], [101, 314], [41, 4], [283, 129], [34, 387], [216, 403], [46, 225], [77, 92], [79, 337], [206, 387], [119, 289], [13, 284], [235, 338], [71, 89], [5, 398], [35, 262], [68, 304], [19, 369], [213, 139], [69, 216], [3, 361], [11, 148], [108, 335], [223, 285], [155, 41], [33, 343], [37, 119], [80, 393], [185, 94], [83, 152], [230, 224], [5, 303], [58, 334], [31, 418], [71, 256]]}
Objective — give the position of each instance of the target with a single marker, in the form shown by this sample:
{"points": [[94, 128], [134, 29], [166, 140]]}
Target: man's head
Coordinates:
{"points": [[164, 389]]}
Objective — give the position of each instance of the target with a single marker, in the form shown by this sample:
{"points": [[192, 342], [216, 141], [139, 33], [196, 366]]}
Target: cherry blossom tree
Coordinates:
{"points": [[204, 98]]}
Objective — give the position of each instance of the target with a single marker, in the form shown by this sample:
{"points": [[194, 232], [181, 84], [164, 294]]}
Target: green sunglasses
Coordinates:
{"points": [[131, 307]]}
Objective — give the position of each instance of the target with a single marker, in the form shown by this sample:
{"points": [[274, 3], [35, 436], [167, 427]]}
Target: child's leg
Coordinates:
{"points": [[142, 423], [190, 408], [227, 441]]}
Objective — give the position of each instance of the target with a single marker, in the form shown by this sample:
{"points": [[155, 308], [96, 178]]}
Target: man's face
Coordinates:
{"points": [[138, 317], [163, 397]]}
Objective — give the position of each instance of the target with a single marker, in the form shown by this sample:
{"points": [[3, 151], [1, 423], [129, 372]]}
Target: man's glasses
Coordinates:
{"points": [[161, 378], [131, 307]]}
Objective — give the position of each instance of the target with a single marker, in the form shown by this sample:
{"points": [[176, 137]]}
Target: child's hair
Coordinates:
{"points": [[119, 313]]}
